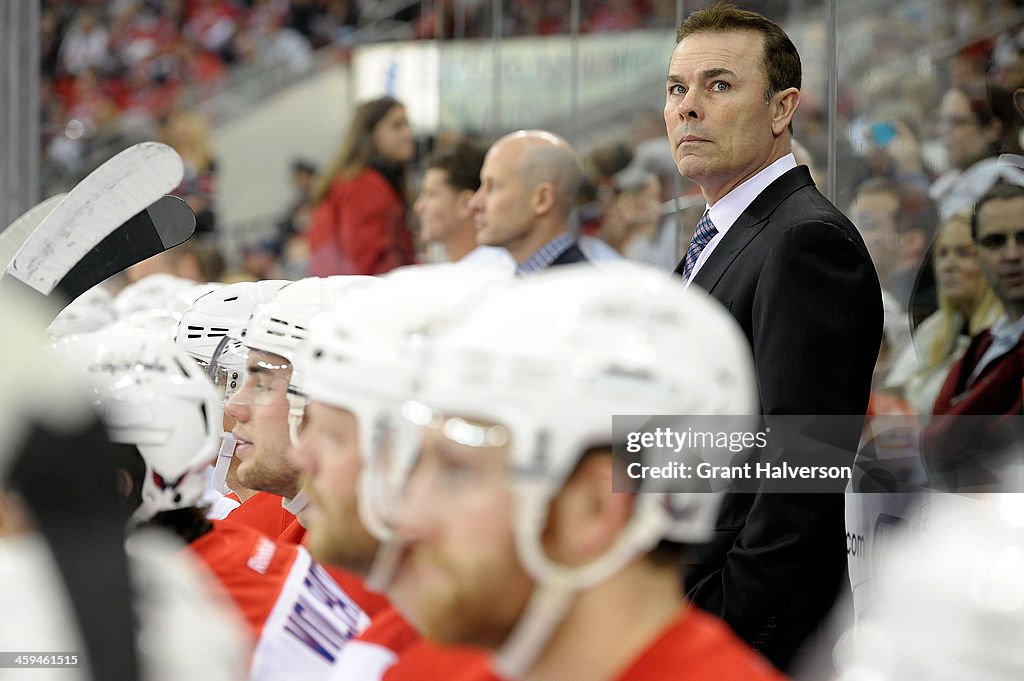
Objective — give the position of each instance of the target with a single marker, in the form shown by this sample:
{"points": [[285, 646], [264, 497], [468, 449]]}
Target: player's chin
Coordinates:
{"points": [[423, 595], [434, 617], [322, 546], [246, 474]]}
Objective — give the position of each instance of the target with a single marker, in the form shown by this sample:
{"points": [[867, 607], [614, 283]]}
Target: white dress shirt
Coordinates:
{"points": [[728, 209], [488, 258]]}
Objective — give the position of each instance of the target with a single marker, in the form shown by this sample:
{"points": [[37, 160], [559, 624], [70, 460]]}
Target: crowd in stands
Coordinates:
{"points": [[926, 125], [112, 72]]}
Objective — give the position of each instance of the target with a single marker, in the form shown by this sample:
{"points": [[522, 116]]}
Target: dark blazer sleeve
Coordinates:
{"points": [[808, 298], [817, 323]]}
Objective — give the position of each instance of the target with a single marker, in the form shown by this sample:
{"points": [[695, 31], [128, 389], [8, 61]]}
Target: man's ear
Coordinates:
{"points": [[1018, 101], [125, 486], [14, 519], [586, 517], [543, 200], [462, 209], [783, 107]]}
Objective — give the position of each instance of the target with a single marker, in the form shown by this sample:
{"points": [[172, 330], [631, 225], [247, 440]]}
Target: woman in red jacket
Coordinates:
{"points": [[358, 224]]}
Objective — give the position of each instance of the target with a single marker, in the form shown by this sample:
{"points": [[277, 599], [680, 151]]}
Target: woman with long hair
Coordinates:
{"points": [[967, 306], [358, 224]]}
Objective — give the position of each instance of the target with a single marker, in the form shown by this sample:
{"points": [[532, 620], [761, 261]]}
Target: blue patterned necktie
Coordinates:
{"points": [[704, 233]]}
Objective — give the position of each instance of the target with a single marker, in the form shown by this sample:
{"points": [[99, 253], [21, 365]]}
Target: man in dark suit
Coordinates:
{"points": [[528, 187], [797, 277]]}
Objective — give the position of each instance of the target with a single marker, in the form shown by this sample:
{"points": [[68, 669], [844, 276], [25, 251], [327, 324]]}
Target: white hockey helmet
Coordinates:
{"points": [[183, 300], [221, 312], [361, 355], [551, 360], [153, 396], [36, 385], [90, 311], [155, 304], [153, 291], [282, 326]]}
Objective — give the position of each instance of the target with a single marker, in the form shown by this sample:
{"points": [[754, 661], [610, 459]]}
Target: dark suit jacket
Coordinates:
{"points": [[569, 256], [795, 274]]}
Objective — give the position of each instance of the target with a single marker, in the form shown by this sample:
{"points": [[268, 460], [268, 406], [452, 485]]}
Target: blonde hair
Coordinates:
{"points": [[986, 309], [189, 134]]}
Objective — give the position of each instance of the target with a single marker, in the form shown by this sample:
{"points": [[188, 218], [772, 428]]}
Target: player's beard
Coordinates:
{"points": [[336, 536], [266, 473], [476, 605]]}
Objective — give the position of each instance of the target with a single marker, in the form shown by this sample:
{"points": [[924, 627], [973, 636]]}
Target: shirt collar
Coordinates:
{"points": [[545, 255], [729, 208], [1003, 330]]}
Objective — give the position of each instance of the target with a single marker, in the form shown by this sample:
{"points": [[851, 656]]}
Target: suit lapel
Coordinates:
{"points": [[749, 225], [735, 240]]}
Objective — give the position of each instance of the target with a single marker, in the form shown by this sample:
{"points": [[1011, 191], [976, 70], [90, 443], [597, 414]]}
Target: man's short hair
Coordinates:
{"points": [[1001, 190], [462, 162], [779, 59]]}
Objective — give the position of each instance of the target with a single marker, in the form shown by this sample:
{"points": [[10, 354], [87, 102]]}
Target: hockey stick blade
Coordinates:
{"points": [[166, 224], [107, 198], [18, 231]]}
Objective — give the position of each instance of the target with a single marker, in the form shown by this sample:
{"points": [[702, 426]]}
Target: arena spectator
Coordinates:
{"points": [[358, 225], [189, 134], [976, 122], [896, 221], [987, 379], [451, 179], [967, 306]]}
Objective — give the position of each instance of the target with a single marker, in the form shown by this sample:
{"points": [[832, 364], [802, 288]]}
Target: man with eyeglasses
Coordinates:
{"points": [[987, 380]]}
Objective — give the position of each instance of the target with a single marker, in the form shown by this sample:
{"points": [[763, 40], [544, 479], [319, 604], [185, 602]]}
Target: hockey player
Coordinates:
{"points": [[512, 538], [65, 478], [357, 364], [162, 407], [269, 411], [204, 331]]}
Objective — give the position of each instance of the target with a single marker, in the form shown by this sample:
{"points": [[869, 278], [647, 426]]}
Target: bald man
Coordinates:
{"points": [[528, 187]]}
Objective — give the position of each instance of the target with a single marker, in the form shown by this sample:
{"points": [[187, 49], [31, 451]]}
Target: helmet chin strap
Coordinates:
{"points": [[548, 605], [296, 412], [220, 469], [296, 504], [558, 585], [385, 565]]}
